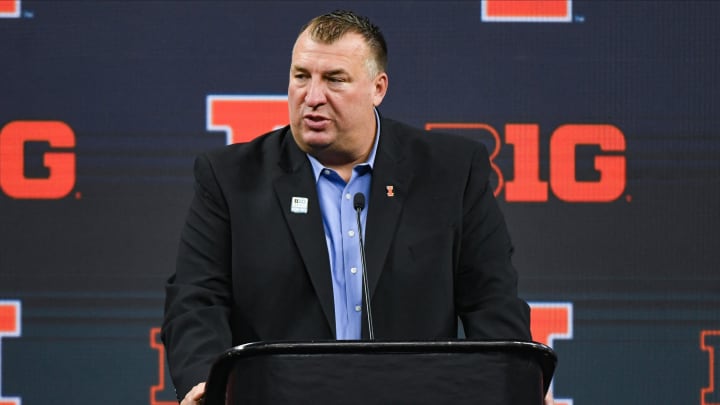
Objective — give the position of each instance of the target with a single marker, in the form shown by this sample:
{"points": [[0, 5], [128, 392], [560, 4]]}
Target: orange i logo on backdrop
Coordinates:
{"points": [[526, 10], [710, 343], [245, 117], [551, 321], [10, 326], [9, 8]]}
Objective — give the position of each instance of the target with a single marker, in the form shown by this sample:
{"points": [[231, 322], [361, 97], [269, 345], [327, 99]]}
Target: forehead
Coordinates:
{"points": [[346, 52]]}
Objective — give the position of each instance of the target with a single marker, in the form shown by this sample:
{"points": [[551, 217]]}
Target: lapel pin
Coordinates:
{"points": [[390, 192], [299, 205]]}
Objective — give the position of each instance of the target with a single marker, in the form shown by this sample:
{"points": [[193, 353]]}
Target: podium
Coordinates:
{"points": [[378, 372]]}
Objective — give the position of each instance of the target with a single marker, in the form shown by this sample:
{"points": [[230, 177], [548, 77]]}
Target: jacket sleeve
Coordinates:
{"points": [[486, 282], [196, 327]]}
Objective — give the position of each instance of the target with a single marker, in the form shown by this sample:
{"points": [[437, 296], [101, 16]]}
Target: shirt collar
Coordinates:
{"points": [[318, 167]]}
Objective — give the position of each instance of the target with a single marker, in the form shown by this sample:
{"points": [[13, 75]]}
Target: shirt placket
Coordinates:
{"points": [[351, 256]]}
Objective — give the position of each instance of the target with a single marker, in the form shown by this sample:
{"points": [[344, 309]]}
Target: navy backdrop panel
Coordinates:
{"points": [[85, 271]]}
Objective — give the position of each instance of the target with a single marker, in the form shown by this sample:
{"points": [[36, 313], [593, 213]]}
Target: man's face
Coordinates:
{"points": [[331, 98]]}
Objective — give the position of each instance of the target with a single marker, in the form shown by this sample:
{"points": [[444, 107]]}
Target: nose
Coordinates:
{"points": [[315, 95]]}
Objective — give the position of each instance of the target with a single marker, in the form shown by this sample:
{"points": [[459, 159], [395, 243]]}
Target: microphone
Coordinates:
{"points": [[359, 204]]}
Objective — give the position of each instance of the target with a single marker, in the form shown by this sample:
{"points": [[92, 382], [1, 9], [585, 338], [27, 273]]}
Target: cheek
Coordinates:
{"points": [[294, 102], [295, 92], [352, 102], [292, 95]]}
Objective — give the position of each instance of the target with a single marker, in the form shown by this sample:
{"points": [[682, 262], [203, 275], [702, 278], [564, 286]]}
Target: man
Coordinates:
{"points": [[270, 248]]}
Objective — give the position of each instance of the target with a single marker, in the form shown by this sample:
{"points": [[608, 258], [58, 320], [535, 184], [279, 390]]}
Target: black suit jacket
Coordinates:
{"points": [[249, 269]]}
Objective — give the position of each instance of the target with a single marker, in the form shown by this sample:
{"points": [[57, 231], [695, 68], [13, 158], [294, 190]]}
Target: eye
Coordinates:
{"points": [[336, 79], [299, 75]]}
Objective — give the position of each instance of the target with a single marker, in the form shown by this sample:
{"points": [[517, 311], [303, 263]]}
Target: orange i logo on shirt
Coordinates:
{"points": [[526, 10]]}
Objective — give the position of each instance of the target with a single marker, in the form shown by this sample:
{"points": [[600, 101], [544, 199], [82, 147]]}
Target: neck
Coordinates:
{"points": [[344, 164]]}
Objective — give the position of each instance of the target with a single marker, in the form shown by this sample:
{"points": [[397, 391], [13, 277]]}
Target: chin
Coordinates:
{"points": [[317, 138]]}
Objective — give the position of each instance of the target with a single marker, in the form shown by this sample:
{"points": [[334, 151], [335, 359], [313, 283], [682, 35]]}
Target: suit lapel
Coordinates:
{"points": [[390, 184], [306, 228]]}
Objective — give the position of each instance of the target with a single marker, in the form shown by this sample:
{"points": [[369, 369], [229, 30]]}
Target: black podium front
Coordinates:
{"points": [[338, 372]]}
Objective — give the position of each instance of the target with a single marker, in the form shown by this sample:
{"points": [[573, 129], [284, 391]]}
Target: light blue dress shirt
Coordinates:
{"points": [[341, 234]]}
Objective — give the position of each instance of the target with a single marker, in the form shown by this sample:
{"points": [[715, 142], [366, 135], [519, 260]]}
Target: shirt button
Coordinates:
{"points": [[358, 308], [347, 196], [351, 233], [326, 172], [353, 270]]}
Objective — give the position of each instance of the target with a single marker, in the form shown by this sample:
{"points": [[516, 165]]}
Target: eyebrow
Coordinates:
{"points": [[336, 72], [333, 72]]}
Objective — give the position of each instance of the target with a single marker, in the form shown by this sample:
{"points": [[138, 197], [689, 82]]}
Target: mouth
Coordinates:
{"points": [[315, 121]]}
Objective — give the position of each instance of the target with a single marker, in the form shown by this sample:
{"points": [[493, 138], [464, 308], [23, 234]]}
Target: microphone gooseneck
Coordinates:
{"points": [[359, 204]]}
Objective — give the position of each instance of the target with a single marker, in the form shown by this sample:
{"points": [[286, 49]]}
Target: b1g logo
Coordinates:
{"points": [[9, 8], [609, 166], [58, 162], [245, 117]]}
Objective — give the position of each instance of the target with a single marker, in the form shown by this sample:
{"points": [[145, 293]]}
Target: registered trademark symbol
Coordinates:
{"points": [[28, 14], [78, 195], [579, 18], [628, 198]]}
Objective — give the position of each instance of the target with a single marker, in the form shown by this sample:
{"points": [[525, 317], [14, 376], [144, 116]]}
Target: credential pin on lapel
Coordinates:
{"points": [[390, 191], [299, 205]]}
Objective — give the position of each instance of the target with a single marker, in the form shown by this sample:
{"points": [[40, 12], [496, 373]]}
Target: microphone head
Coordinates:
{"points": [[359, 201]]}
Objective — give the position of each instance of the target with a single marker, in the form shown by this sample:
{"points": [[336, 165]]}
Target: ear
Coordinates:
{"points": [[380, 88]]}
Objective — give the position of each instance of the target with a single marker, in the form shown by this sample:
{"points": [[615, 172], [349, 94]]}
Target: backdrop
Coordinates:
{"points": [[602, 117]]}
